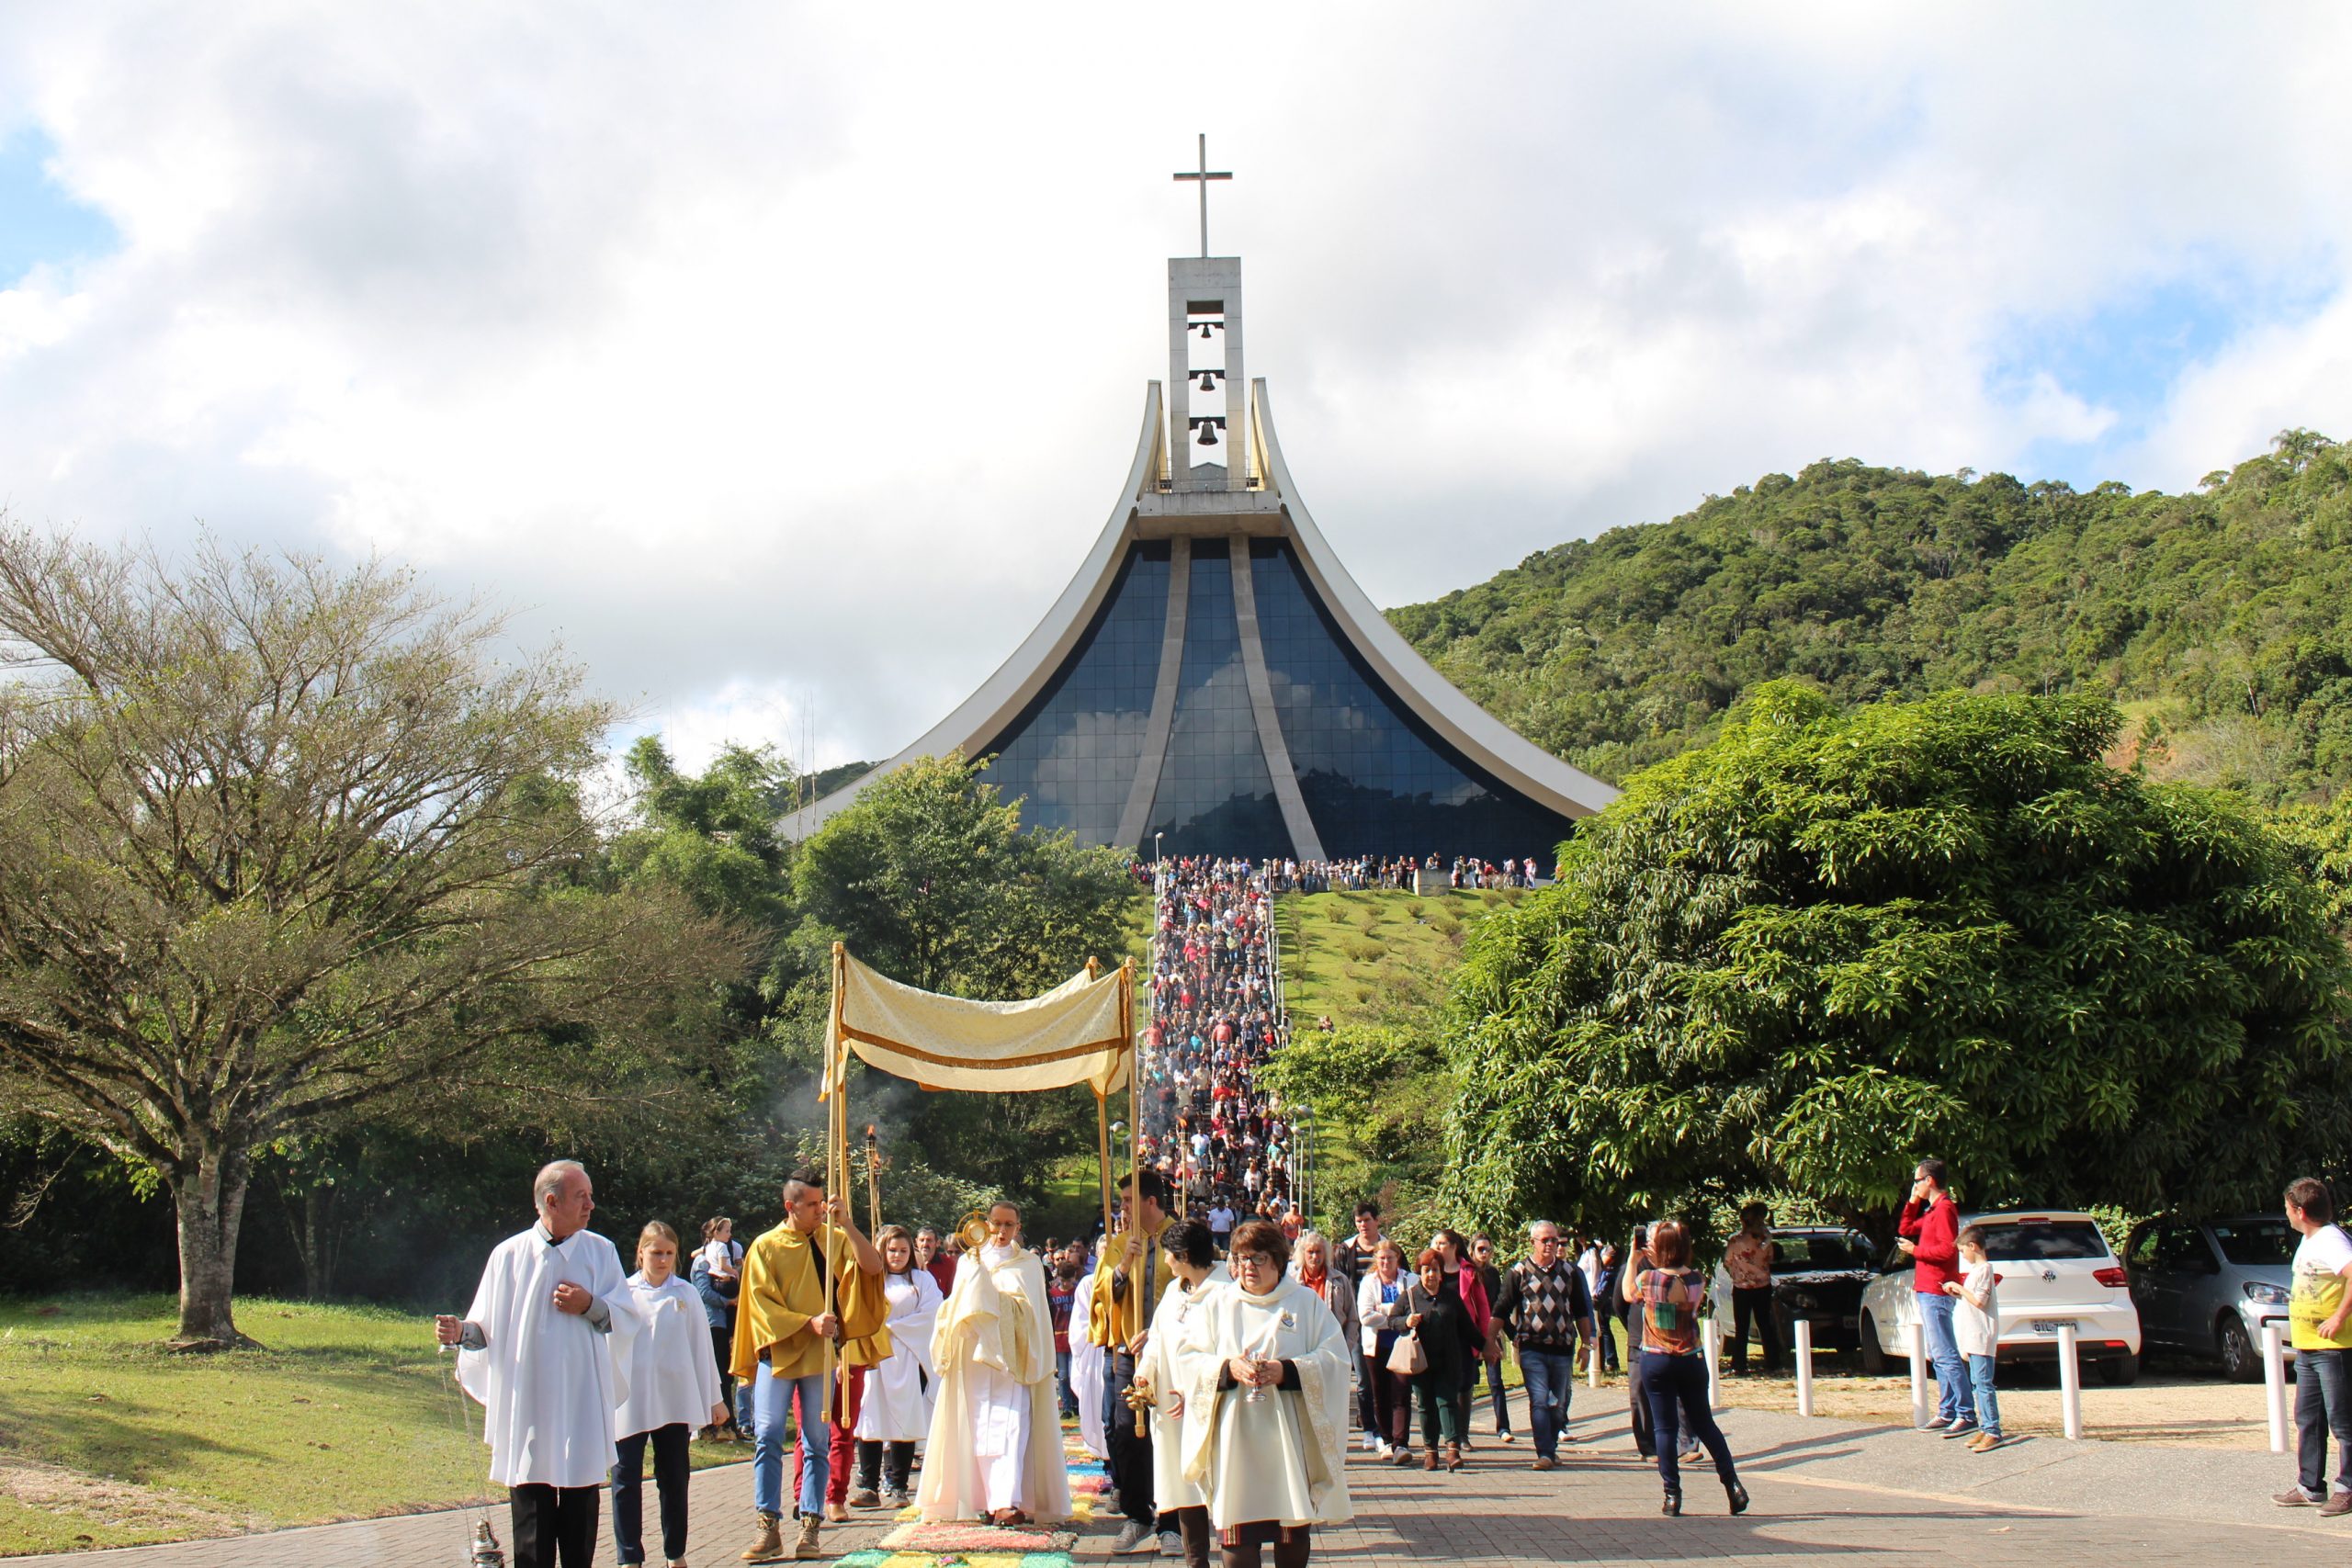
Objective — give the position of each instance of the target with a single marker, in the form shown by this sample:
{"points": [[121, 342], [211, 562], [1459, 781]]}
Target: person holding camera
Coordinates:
{"points": [[1928, 1234], [1672, 1298]]}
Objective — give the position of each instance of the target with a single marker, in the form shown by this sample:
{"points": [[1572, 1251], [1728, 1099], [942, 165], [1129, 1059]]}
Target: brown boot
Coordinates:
{"points": [[806, 1548], [1453, 1456], [768, 1546], [1429, 1458]]}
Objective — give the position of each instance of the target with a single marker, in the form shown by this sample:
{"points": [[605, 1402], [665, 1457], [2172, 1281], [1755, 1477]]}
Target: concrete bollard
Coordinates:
{"points": [[1805, 1366], [2274, 1384], [1710, 1335], [1914, 1337], [2070, 1378]]}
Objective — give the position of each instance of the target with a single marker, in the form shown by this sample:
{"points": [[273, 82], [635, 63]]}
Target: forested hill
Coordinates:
{"points": [[2222, 620]]}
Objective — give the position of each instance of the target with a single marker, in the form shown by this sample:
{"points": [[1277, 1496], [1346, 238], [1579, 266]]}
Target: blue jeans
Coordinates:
{"points": [[1061, 1384], [1988, 1404], [1551, 1375], [2322, 1405], [1502, 1401], [771, 1397], [1676, 1387], [1943, 1353]]}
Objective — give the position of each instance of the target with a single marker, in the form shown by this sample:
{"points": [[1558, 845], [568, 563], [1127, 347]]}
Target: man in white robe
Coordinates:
{"points": [[995, 1450], [546, 1349]]}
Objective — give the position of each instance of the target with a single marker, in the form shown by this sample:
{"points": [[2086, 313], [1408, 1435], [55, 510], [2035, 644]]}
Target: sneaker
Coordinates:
{"points": [[1372, 1444], [1545, 1464], [1509, 1438], [896, 1499], [865, 1497], [2296, 1497], [1170, 1544], [2336, 1507], [1135, 1538], [1961, 1429], [1385, 1448], [1937, 1423]]}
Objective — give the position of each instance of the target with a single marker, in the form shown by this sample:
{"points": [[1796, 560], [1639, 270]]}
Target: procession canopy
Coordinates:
{"points": [[1079, 1033]]}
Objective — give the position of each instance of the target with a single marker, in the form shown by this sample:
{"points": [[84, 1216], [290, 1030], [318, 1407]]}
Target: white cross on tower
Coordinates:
{"points": [[1205, 176]]}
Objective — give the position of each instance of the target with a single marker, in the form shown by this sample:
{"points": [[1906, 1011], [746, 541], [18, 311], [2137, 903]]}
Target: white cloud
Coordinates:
{"points": [[785, 358]]}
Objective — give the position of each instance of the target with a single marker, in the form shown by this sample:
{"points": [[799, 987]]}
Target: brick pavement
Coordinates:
{"points": [[1826, 1492]]}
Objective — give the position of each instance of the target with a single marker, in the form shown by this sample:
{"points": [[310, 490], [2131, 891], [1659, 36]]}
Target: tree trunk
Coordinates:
{"points": [[211, 1197]]}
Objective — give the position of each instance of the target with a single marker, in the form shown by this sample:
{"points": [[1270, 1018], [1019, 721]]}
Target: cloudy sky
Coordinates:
{"points": [[782, 359]]}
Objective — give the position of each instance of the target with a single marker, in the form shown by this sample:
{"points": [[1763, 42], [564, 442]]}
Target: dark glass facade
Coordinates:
{"points": [[1073, 754], [1215, 795], [1376, 779]]}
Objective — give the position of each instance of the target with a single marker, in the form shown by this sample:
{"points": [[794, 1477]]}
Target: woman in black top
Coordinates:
{"points": [[1450, 1342]]}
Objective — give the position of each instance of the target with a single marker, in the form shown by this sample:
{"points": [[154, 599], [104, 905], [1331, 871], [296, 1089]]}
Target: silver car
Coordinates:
{"points": [[2206, 1288]]}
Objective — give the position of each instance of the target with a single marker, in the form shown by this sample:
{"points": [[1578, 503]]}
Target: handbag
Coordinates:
{"points": [[1407, 1359]]}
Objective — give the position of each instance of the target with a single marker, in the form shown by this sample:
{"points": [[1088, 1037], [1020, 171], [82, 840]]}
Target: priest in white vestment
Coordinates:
{"points": [[1086, 1369], [1266, 1412], [996, 1439], [1171, 1358], [545, 1349]]}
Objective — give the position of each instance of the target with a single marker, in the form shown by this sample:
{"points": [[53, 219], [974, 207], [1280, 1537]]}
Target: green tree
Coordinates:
{"points": [[1828, 944], [928, 878], [280, 843]]}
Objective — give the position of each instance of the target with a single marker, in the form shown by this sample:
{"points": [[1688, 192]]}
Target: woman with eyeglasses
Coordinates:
{"points": [[1266, 1427], [1491, 1281], [1464, 1283]]}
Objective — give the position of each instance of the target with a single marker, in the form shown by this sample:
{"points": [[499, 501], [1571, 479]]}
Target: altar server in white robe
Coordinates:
{"points": [[672, 1389], [1172, 1355], [1086, 1368], [995, 1450], [1266, 1413], [900, 1391], [546, 1348]]}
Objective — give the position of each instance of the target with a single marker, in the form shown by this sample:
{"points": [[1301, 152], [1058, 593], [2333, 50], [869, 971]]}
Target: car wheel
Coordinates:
{"points": [[1873, 1353], [2117, 1370], [2240, 1361]]}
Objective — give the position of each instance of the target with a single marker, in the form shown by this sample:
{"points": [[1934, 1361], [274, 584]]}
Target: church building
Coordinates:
{"points": [[1211, 681]]}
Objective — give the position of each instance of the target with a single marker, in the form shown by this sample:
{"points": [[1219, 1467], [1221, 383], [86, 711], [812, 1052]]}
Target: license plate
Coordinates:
{"points": [[2050, 1325]]}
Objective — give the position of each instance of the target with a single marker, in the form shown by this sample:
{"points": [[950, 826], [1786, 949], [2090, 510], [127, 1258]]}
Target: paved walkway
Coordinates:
{"points": [[1826, 1492]]}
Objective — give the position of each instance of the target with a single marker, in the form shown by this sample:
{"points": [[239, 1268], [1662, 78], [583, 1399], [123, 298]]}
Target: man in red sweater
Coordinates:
{"points": [[1930, 1232]]}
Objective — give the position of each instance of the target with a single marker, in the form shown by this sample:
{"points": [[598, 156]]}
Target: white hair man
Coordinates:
{"points": [[544, 1349]]}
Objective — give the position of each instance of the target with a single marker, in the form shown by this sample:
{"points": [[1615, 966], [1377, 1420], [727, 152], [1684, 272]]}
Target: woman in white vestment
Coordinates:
{"points": [[899, 1391], [673, 1390], [1170, 1359], [1267, 1407], [1086, 1368]]}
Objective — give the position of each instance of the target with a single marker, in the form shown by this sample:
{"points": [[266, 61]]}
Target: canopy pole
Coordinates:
{"points": [[1102, 1145], [834, 1061], [873, 1182], [1135, 1112]]}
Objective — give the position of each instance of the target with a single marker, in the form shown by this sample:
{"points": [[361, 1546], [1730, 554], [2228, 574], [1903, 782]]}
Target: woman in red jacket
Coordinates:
{"points": [[1929, 1233]]}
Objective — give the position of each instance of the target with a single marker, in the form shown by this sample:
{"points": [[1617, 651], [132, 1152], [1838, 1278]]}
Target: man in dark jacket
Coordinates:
{"points": [[1542, 1304]]}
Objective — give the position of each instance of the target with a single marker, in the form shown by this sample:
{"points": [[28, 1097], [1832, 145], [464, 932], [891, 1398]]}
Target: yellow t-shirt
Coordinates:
{"points": [[2318, 1290]]}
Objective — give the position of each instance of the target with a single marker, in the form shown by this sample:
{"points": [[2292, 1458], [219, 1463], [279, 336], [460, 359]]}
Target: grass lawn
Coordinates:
{"points": [[106, 1440], [1374, 958]]}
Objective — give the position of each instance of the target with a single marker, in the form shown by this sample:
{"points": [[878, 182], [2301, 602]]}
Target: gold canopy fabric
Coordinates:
{"points": [[1072, 1034]]}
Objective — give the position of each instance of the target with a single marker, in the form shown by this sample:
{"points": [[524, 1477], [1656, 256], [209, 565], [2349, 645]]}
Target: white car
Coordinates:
{"points": [[2053, 1267]]}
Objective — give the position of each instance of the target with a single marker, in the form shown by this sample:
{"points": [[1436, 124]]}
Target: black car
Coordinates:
{"points": [[1818, 1272]]}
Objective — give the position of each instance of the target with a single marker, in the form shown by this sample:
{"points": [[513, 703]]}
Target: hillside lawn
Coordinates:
{"points": [[108, 1439]]}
